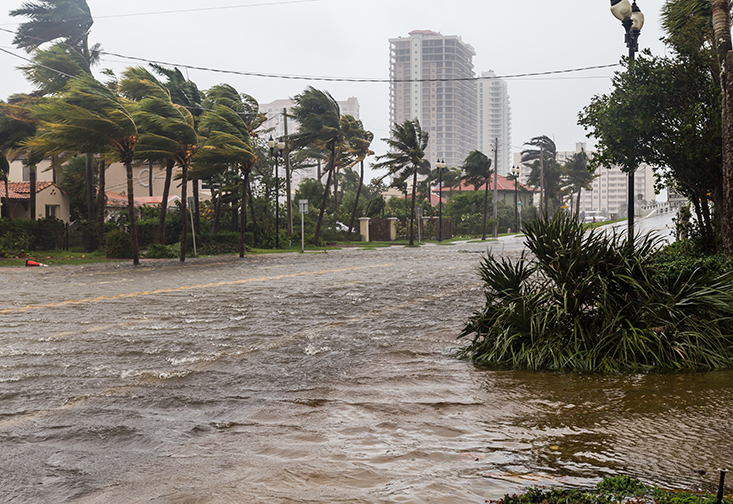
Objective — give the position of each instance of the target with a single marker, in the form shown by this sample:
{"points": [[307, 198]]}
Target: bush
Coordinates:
{"points": [[118, 244], [588, 301], [158, 251]]}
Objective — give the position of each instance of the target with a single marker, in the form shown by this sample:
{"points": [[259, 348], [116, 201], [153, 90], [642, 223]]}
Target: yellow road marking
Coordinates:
{"points": [[183, 288]]}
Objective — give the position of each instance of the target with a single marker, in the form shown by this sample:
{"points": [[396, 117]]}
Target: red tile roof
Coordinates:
{"points": [[503, 184], [22, 190]]}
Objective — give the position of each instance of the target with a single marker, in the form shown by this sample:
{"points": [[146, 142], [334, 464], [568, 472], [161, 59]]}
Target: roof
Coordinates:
{"points": [[503, 184], [22, 190], [120, 199]]}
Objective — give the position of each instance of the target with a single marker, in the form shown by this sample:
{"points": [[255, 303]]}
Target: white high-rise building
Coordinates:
{"points": [[432, 79], [494, 121]]}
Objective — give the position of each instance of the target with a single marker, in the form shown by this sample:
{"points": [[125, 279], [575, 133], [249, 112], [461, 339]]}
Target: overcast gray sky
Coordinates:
{"points": [[349, 39]]}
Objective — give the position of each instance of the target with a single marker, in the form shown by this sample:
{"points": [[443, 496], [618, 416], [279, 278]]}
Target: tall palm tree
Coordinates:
{"points": [[407, 143], [478, 172], [577, 176], [543, 157], [89, 117], [319, 116], [51, 20], [359, 142], [166, 130], [229, 125]]}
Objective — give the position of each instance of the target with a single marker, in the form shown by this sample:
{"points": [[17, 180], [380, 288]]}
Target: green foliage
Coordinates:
{"points": [[613, 489], [685, 258], [118, 244], [158, 251], [20, 235], [588, 301]]}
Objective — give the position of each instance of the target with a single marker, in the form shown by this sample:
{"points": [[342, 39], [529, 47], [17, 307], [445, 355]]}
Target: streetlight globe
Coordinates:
{"points": [[440, 164], [280, 145], [637, 18], [621, 9], [271, 143]]}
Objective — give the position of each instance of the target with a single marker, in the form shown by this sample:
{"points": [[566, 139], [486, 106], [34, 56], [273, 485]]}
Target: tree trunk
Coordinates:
{"points": [[195, 209], [131, 210], [101, 204], [217, 211], [243, 214], [412, 213], [90, 186], [150, 178], [331, 165], [486, 208], [184, 211], [251, 203], [33, 175], [577, 205], [356, 200], [164, 203], [723, 46], [286, 154]]}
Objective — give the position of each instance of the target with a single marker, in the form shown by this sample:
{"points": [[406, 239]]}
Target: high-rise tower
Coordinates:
{"points": [[494, 120], [432, 79]]}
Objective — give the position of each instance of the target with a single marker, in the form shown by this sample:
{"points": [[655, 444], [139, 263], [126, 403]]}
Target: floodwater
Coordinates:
{"points": [[312, 378]]}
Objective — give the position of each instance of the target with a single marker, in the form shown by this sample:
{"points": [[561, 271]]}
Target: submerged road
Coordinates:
{"points": [[322, 377]]}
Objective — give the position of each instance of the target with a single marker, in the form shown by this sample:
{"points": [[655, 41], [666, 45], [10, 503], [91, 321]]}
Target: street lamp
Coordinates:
{"points": [[440, 166], [280, 146], [515, 172], [632, 20]]}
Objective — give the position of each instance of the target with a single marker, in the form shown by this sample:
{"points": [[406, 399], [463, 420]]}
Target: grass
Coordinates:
{"points": [[611, 490], [57, 258]]}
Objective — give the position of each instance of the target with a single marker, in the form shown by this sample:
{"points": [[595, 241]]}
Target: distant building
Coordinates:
{"points": [[432, 79], [494, 120], [276, 122], [609, 195]]}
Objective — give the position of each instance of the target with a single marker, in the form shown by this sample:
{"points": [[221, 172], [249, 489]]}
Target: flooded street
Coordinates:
{"points": [[324, 378]]}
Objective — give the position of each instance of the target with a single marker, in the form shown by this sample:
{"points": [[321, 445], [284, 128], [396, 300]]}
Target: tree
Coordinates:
{"points": [[578, 176], [665, 112], [546, 171], [406, 158], [166, 130], [89, 117], [478, 172], [228, 126], [321, 127]]}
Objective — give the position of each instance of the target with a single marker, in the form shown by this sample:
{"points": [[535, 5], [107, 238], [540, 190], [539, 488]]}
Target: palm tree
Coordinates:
{"points": [[228, 126], [321, 127], [477, 169], [577, 176], [50, 20], [359, 142], [166, 130], [89, 117], [545, 168], [407, 142]]}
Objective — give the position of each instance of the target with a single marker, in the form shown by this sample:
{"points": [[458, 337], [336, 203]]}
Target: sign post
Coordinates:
{"points": [[303, 207]]}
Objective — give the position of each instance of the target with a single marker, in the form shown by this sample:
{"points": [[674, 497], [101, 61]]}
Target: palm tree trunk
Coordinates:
{"points": [[412, 213], [577, 205], [164, 203], [486, 207], [331, 165], [356, 200], [90, 185], [195, 209], [243, 214], [217, 211], [251, 202], [33, 175], [131, 211], [101, 203], [724, 45], [184, 208]]}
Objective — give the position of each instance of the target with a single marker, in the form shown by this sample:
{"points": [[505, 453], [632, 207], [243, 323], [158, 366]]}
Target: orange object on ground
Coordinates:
{"points": [[28, 262]]}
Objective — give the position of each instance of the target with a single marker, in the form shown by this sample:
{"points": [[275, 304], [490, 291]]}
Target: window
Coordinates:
{"points": [[52, 210]]}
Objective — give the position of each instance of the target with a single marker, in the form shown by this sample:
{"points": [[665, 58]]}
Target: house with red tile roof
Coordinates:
{"points": [[505, 191], [51, 201]]}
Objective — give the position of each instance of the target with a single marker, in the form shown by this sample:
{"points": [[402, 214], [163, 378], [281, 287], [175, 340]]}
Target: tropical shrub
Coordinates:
{"points": [[158, 251], [118, 244], [590, 301]]}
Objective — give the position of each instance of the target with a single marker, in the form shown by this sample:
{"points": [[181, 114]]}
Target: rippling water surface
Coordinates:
{"points": [[311, 378]]}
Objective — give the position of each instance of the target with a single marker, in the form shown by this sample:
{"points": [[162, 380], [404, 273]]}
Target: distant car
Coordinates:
{"points": [[594, 218]]}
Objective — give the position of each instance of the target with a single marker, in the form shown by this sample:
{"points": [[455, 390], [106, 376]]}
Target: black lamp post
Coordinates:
{"points": [[440, 165], [515, 172], [632, 20], [280, 146]]}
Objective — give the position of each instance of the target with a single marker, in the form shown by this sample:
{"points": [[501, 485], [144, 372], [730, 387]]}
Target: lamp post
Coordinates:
{"points": [[632, 20], [272, 144], [440, 166], [515, 172]]}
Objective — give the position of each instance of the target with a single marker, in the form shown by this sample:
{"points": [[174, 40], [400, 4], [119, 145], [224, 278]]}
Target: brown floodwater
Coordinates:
{"points": [[323, 377]]}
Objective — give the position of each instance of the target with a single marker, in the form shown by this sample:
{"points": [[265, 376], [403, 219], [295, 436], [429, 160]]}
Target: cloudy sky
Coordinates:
{"points": [[349, 39]]}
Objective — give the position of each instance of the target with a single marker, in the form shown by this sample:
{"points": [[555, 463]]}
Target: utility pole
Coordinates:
{"points": [[286, 153], [542, 178], [496, 158]]}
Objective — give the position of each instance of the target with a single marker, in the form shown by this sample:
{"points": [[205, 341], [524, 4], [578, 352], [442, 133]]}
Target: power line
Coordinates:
{"points": [[201, 9]]}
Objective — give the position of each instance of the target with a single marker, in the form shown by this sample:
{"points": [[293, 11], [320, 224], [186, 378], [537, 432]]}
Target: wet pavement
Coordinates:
{"points": [[318, 377]]}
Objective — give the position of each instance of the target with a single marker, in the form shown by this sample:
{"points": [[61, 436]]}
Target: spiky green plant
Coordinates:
{"points": [[589, 301]]}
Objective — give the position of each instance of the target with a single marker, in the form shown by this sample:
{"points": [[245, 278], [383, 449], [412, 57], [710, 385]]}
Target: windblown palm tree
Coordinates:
{"points": [[89, 117], [228, 126], [359, 140], [478, 172], [546, 170], [166, 130], [319, 116], [406, 159], [577, 176]]}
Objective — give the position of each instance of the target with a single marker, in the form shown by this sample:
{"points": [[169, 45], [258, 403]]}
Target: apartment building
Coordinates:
{"points": [[494, 120], [432, 79]]}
